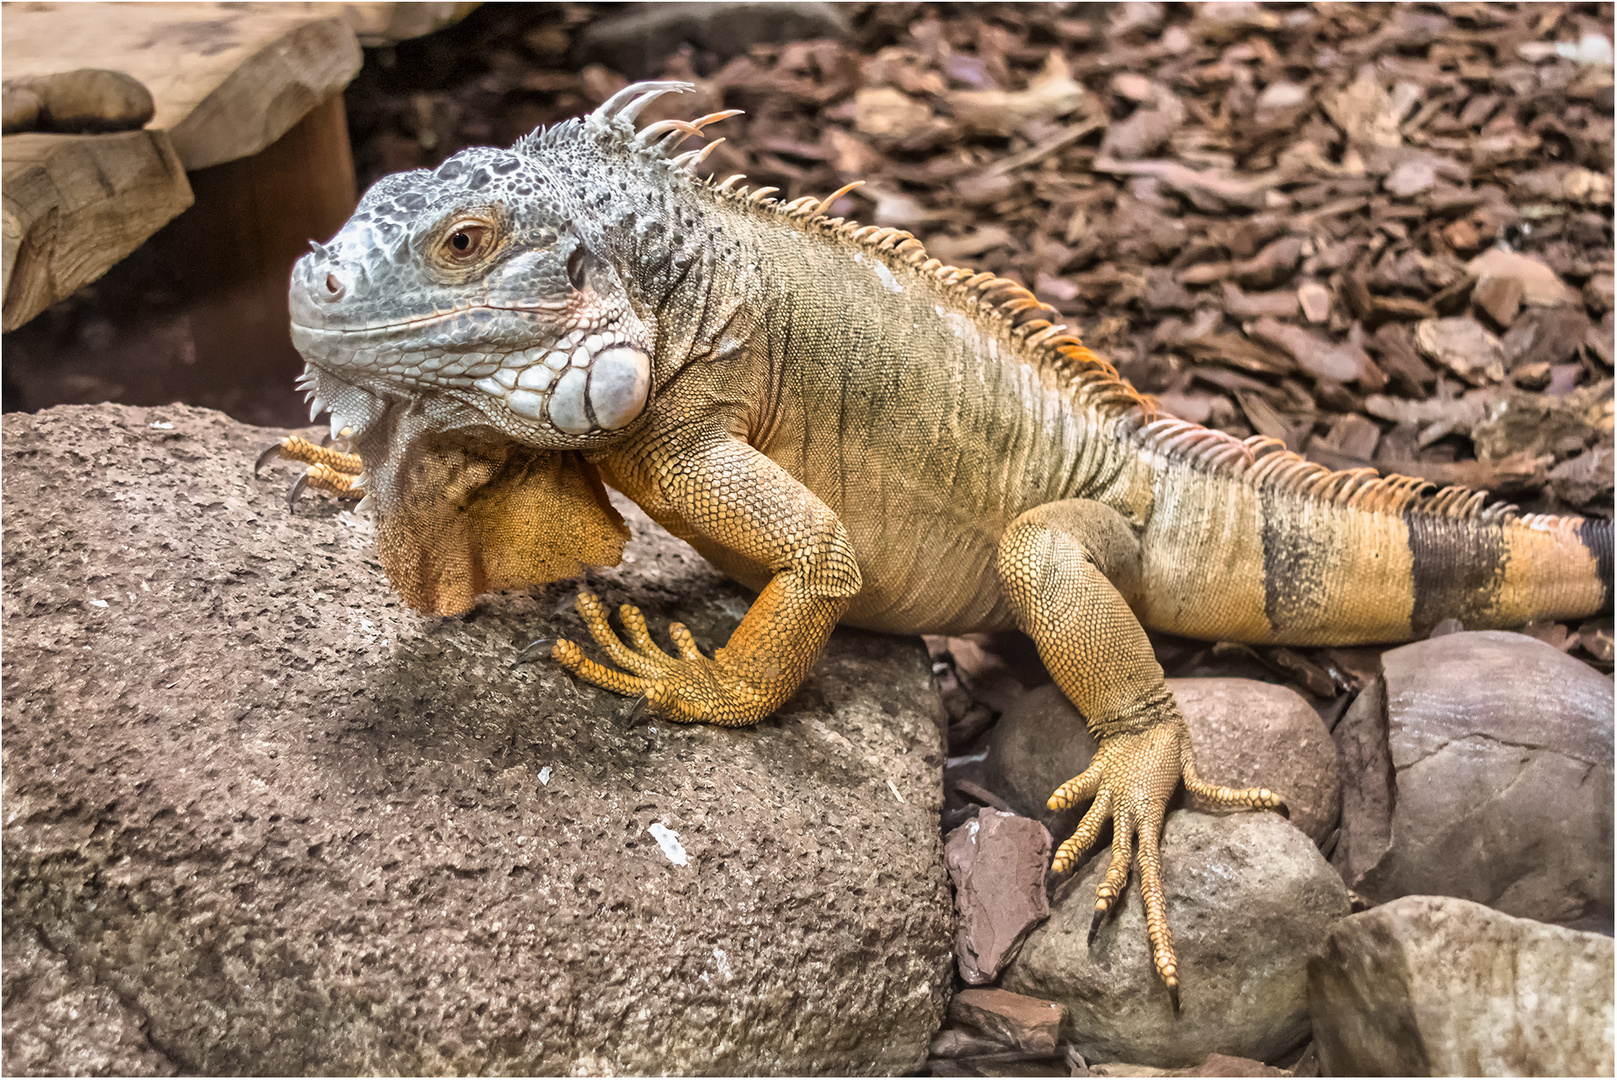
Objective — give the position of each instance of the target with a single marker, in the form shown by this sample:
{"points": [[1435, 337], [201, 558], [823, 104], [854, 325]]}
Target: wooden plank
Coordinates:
{"points": [[198, 313], [230, 83], [387, 24], [230, 257], [71, 206], [227, 79]]}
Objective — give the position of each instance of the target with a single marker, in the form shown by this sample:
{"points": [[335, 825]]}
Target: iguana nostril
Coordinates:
{"points": [[333, 286]]}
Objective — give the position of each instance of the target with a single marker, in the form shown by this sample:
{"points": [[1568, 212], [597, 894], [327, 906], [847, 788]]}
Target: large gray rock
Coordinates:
{"points": [[1434, 986], [1246, 734], [1249, 898], [56, 1024], [298, 829], [1479, 765]]}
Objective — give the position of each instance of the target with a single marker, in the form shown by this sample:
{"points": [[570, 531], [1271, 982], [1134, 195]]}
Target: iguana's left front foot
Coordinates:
{"points": [[689, 688], [328, 469]]}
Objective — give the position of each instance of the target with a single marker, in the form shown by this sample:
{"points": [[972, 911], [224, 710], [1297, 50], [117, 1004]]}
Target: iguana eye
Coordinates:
{"points": [[465, 243]]}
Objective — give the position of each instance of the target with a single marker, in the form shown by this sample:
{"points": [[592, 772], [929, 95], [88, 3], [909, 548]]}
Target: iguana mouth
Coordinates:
{"points": [[583, 382], [354, 409], [428, 320]]}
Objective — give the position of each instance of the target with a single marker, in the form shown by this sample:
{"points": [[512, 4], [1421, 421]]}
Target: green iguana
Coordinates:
{"points": [[858, 431]]}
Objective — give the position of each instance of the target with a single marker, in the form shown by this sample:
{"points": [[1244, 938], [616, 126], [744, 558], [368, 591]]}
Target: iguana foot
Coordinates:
{"points": [[1131, 778], [689, 688], [328, 469]]}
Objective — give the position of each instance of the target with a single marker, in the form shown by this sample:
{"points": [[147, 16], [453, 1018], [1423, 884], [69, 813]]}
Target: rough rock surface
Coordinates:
{"points": [[1479, 765], [298, 829], [998, 863], [1249, 898], [58, 1024], [1434, 986], [1246, 733]]}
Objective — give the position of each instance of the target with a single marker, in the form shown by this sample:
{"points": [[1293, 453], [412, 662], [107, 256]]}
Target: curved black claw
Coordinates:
{"points": [[274, 451], [297, 489], [1094, 926], [528, 648], [636, 711], [1173, 996]]}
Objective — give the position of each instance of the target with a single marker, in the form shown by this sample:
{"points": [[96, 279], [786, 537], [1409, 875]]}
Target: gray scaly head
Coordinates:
{"points": [[474, 295], [470, 331]]}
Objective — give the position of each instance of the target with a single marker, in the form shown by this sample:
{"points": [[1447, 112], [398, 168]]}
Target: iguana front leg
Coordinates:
{"points": [[328, 469], [728, 494], [1059, 563]]}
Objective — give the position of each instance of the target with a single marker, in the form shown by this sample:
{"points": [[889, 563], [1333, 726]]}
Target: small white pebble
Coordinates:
{"points": [[544, 776], [668, 840], [161, 425], [98, 603]]}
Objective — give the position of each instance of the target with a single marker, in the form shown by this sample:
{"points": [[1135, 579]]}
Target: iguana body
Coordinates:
{"points": [[860, 433]]}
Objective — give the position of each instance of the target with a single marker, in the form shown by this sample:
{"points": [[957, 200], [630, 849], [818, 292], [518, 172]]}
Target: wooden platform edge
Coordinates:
{"points": [[306, 67], [72, 206]]}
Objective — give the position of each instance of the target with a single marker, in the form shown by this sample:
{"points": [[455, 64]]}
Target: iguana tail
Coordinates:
{"points": [[1251, 543]]}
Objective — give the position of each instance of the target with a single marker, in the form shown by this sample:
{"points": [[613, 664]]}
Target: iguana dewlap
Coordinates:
{"points": [[861, 433]]}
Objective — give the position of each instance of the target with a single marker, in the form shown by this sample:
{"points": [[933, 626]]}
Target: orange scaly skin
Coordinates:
{"points": [[862, 434]]}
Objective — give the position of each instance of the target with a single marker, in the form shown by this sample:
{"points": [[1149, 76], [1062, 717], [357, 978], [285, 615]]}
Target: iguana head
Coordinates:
{"points": [[475, 285], [469, 340]]}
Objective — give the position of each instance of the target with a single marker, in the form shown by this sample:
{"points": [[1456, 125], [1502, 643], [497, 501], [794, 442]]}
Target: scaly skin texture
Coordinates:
{"points": [[862, 434]]}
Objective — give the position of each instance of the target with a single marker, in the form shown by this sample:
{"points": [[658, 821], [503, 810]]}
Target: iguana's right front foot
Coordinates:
{"points": [[328, 469], [689, 688], [739, 684]]}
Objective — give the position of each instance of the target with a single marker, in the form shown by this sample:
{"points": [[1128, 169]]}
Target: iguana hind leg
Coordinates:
{"points": [[1066, 567]]}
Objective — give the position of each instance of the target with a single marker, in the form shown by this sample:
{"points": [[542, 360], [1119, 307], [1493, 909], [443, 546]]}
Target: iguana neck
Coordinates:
{"points": [[807, 331], [692, 275]]}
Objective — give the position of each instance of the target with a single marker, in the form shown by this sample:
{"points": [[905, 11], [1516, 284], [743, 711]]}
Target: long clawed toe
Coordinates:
{"points": [[1130, 782], [640, 663], [330, 470]]}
